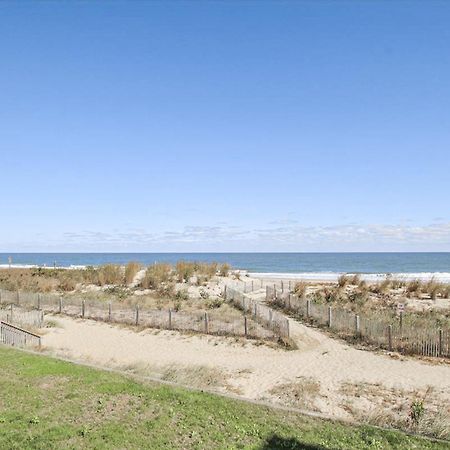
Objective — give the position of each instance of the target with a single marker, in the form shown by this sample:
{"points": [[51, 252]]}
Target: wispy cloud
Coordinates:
{"points": [[354, 233], [280, 235]]}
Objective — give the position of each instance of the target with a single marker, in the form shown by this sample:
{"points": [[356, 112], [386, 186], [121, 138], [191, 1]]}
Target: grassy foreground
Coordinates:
{"points": [[47, 403]]}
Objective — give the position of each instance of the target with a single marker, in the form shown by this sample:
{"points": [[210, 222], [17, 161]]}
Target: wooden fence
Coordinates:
{"points": [[381, 332], [18, 337], [22, 317], [247, 285], [262, 313], [213, 322]]}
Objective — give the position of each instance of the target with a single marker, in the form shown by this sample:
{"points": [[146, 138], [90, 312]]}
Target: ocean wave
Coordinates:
{"points": [[443, 277]]}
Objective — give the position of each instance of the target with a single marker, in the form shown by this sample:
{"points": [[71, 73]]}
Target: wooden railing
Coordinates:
{"points": [[18, 337]]}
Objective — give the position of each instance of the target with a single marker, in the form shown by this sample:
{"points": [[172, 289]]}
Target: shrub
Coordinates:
{"points": [[182, 295], [131, 269], [214, 303], [166, 289], [118, 291], [359, 296], [416, 412]]}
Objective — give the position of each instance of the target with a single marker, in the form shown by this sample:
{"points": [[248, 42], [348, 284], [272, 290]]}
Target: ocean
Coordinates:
{"points": [[295, 265]]}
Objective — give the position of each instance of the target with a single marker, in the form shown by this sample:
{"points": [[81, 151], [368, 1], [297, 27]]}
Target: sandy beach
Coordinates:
{"points": [[254, 372]]}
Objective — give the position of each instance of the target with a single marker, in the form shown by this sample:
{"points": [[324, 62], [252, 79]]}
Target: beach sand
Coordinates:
{"points": [[253, 371]]}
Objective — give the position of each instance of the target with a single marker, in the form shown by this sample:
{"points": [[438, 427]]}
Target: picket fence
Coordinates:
{"points": [[383, 332]]}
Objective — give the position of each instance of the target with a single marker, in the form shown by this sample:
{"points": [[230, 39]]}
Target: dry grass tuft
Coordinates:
{"points": [[343, 280], [131, 269], [224, 270], [196, 376], [300, 394], [300, 289], [381, 288]]}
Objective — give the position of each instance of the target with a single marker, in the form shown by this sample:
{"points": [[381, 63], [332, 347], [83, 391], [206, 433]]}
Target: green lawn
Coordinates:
{"points": [[46, 403]]}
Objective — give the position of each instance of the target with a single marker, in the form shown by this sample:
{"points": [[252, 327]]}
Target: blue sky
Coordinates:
{"points": [[225, 126]]}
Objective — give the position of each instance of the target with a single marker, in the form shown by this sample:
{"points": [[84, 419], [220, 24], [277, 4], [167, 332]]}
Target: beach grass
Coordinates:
{"points": [[51, 404]]}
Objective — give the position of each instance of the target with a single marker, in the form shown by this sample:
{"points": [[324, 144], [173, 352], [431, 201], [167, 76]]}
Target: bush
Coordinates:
{"points": [[416, 412], [214, 303], [182, 295]]}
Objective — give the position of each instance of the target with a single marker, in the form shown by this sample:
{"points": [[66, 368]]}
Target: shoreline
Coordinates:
{"points": [[443, 277]]}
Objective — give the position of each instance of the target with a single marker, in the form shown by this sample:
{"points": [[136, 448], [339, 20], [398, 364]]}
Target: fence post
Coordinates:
{"points": [[357, 325], [252, 286], [137, 315], [256, 309], [290, 288], [11, 318], [308, 308], [267, 293], [401, 321], [287, 327], [206, 323], [441, 342], [289, 300], [390, 337], [282, 286], [170, 318], [330, 317], [60, 305], [39, 301], [270, 318], [83, 306], [225, 292], [245, 326]]}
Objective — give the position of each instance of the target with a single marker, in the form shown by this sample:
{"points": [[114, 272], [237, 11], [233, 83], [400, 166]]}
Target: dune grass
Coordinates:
{"points": [[131, 269], [51, 404]]}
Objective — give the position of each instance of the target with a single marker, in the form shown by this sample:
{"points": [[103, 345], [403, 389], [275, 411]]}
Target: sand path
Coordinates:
{"points": [[251, 369]]}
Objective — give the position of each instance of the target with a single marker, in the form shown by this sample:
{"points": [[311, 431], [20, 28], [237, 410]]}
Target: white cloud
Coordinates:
{"points": [[287, 236]]}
